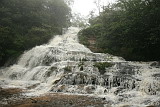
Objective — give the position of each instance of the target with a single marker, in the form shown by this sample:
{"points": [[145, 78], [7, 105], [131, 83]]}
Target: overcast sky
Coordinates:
{"points": [[85, 6]]}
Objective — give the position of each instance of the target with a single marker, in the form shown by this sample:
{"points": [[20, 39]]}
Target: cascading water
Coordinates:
{"points": [[64, 65]]}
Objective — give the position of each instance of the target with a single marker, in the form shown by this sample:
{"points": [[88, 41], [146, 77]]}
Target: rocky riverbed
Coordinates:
{"points": [[13, 97]]}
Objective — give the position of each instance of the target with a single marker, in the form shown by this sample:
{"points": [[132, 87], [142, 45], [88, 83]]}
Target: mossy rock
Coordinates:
{"points": [[68, 69], [50, 71], [53, 68], [80, 64], [84, 59], [102, 66]]}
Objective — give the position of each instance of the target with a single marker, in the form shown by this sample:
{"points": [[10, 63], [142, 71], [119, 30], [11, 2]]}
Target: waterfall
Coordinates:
{"points": [[64, 65]]}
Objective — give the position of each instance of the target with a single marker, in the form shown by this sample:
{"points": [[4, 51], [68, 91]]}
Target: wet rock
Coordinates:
{"points": [[156, 75], [152, 106], [33, 86], [104, 98], [155, 64]]}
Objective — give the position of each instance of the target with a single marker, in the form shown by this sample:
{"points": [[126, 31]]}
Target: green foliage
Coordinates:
{"points": [[27, 23], [128, 28], [83, 40], [102, 66], [92, 31]]}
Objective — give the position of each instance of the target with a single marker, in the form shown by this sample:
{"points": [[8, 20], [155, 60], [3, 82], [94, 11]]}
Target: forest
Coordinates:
{"points": [[27, 23], [127, 28]]}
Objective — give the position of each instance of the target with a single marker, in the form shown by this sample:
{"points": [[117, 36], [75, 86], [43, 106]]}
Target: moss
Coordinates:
{"points": [[102, 65], [84, 59], [72, 59], [53, 68], [68, 69]]}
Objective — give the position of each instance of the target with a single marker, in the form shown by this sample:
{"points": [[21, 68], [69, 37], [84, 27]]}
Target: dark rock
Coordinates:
{"points": [[33, 100], [104, 98], [155, 64]]}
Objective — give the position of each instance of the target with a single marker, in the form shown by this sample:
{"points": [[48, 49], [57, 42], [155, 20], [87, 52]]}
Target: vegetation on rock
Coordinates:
{"points": [[68, 69], [102, 66]]}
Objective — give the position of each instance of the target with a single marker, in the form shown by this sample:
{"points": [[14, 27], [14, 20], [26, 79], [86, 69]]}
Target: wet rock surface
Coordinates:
{"points": [[9, 95], [13, 98]]}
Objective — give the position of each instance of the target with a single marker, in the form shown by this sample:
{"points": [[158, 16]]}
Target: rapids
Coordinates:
{"points": [[66, 66]]}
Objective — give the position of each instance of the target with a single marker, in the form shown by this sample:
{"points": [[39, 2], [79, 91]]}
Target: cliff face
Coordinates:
{"points": [[91, 43]]}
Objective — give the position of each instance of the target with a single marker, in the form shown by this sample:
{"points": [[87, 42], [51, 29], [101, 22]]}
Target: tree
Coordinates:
{"points": [[129, 28], [27, 23]]}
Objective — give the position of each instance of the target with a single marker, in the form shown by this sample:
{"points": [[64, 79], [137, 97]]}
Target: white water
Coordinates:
{"points": [[64, 65]]}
